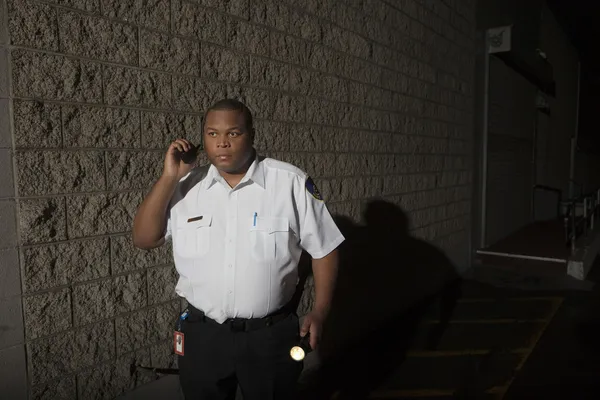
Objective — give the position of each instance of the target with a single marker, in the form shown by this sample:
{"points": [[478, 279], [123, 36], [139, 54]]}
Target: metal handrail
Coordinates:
{"points": [[588, 194], [580, 198], [573, 225]]}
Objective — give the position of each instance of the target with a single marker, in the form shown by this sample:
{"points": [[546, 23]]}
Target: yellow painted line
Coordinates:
{"points": [[392, 394], [417, 393], [501, 299], [496, 390], [543, 298], [475, 300], [499, 391], [504, 389], [458, 353], [537, 337], [489, 321]]}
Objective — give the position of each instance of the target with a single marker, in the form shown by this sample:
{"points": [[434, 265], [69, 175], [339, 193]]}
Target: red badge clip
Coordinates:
{"points": [[178, 343]]}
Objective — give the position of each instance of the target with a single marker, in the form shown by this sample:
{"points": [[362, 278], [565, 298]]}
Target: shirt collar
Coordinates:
{"points": [[255, 173]]}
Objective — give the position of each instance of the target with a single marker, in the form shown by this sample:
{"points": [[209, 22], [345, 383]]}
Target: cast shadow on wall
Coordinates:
{"points": [[387, 281]]}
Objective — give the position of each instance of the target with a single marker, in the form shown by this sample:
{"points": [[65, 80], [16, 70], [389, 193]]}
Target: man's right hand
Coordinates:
{"points": [[150, 219], [179, 159]]}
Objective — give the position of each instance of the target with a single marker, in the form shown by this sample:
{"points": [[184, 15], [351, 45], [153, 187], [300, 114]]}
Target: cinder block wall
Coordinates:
{"points": [[372, 98]]}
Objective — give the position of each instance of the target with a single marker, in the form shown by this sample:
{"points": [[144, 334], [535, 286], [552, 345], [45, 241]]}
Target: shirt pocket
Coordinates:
{"points": [[192, 236], [268, 238]]}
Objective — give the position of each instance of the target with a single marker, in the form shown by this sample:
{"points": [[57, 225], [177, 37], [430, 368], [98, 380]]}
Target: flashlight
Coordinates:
{"points": [[300, 351]]}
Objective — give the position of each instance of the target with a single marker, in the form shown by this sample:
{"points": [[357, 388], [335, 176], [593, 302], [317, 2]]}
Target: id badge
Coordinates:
{"points": [[178, 340]]}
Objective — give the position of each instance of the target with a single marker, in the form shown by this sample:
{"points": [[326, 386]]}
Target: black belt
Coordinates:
{"points": [[241, 324]]}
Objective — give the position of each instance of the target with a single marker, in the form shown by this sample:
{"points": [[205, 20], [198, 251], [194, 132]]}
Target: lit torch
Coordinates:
{"points": [[300, 351]]}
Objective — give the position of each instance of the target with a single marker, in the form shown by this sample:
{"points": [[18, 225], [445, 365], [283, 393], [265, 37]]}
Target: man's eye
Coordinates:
{"points": [[233, 134], [213, 134]]}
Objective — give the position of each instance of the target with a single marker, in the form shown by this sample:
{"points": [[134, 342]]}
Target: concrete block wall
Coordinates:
{"points": [[13, 380], [372, 98]]}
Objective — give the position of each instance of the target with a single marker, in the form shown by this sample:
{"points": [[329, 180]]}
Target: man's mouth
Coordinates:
{"points": [[223, 157]]}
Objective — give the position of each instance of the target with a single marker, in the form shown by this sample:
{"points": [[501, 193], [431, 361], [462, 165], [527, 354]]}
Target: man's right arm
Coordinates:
{"points": [[151, 218]]}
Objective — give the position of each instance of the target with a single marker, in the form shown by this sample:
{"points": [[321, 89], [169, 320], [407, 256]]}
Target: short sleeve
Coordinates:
{"points": [[319, 234], [168, 229]]}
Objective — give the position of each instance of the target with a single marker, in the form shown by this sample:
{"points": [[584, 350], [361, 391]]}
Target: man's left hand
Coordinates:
{"points": [[313, 323]]}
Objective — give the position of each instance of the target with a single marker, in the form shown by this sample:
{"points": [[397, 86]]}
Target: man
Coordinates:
{"points": [[238, 227]]}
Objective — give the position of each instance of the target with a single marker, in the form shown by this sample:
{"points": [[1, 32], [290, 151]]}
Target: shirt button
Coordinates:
{"points": [[229, 265]]}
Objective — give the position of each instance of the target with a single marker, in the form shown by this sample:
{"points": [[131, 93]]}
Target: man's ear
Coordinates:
{"points": [[252, 135]]}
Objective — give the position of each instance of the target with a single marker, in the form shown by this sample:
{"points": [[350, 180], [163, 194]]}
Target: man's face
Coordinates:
{"points": [[227, 142]]}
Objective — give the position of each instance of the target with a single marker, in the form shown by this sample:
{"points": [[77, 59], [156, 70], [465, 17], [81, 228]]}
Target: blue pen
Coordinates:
{"points": [[182, 317], [255, 214]]}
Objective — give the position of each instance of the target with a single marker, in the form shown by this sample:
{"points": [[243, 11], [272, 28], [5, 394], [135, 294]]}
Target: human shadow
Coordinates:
{"points": [[387, 281]]}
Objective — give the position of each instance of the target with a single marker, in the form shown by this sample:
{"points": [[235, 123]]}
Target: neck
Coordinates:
{"points": [[234, 177]]}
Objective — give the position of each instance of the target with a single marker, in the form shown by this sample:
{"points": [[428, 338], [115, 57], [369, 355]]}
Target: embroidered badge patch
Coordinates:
{"points": [[312, 189]]}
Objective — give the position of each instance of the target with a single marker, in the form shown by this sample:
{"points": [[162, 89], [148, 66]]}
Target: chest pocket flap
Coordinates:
{"points": [[270, 224], [268, 238], [194, 222]]}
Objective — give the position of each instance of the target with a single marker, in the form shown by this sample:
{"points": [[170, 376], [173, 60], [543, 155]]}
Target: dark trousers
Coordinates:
{"points": [[216, 359]]}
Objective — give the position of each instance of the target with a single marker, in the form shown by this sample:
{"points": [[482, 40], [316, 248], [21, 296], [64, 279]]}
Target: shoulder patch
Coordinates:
{"points": [[312, 189]]}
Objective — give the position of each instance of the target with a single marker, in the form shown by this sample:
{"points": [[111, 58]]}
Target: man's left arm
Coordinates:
{"points": [[320, 237], [325, 274]]}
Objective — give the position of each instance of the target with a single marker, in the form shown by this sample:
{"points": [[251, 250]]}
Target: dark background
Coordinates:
{"points": [[579, 19]]}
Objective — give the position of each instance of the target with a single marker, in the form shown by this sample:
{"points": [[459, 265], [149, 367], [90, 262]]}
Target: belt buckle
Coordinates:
{"points": [[238, 325]]}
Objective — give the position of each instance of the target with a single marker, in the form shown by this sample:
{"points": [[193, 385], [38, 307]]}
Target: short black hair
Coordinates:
{"points": [[233, 105]]}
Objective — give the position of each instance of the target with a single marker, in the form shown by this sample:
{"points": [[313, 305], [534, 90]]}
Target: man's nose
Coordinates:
{"points": [[222, 141]]}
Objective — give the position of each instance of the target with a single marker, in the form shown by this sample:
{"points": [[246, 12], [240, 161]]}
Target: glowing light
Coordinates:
{"points": [[297, 353]]}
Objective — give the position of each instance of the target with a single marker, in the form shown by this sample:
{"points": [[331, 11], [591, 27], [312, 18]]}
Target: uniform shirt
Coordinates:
{"points": [[237, 249]]}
